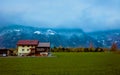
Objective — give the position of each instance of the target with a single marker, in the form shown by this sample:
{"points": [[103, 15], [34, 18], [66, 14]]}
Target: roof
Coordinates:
{"points": [[27, 42], [4, 49], [44, 45]]}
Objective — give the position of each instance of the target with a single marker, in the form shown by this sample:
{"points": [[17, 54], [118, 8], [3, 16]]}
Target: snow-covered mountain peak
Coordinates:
{"points": [[37, 32], [17, 30], [50, 32]]}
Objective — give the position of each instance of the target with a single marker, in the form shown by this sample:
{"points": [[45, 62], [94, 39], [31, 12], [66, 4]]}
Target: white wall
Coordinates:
{"points": [[20, 49]]}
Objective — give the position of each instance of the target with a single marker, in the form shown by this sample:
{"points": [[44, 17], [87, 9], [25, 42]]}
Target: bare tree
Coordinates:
{"points": [[114, 46]]}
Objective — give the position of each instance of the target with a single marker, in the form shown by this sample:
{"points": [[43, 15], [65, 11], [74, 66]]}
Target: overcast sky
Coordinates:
{"points": [[90, 15]]}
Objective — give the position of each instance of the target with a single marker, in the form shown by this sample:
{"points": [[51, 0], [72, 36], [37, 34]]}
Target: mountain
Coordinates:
{"points": [[106, 38], [9, 35]]}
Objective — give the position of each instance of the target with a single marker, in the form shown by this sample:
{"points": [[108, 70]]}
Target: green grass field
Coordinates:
{"points": [[62, 64]]}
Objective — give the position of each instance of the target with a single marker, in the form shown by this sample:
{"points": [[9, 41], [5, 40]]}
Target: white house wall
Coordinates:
{"points": [[20, 49]]}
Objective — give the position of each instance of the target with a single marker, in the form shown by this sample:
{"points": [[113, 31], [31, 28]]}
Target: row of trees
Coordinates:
{"points": [[62, 49], [90, 49]]}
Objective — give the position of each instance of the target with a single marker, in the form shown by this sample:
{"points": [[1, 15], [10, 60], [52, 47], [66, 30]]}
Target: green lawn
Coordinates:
{"points": [[63, 64]]}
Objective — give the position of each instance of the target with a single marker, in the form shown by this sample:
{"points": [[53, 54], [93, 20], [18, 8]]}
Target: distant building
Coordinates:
{"points": [[5, 52], [25, 46]]}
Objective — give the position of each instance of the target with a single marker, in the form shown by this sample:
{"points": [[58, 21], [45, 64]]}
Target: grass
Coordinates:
{"points": [[63, 64]]}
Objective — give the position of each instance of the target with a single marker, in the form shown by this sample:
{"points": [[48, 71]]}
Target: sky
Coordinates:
{"points": [[89, 15]]}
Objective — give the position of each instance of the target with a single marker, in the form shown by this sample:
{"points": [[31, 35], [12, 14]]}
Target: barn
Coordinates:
{"points": [[42, 49]]}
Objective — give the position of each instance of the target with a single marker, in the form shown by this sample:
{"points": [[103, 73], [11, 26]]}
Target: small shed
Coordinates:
{"points": [[5, 52], [43, 49]]}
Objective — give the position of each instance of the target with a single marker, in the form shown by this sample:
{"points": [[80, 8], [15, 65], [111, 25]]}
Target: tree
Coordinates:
{"points": [[99, 49], [114, 47], [91, 47]]}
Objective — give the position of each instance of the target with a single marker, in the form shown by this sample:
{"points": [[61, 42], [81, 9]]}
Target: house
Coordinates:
{"points": [[25, 47], [5, 52], [42, 49]]}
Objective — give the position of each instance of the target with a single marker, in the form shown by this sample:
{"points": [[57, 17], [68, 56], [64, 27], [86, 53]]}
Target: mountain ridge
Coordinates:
{"points": [[9, 35]]}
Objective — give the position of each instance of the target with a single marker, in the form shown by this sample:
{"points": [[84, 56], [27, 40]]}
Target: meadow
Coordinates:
{"points": [[63, 63]]}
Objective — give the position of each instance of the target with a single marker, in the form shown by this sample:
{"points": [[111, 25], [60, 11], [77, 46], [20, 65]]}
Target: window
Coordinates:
{"points": [[41, 49], [27, 49], [22, 49]]}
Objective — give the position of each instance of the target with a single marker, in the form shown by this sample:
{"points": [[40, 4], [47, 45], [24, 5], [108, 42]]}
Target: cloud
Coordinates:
{"points": [[90, 15]]}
